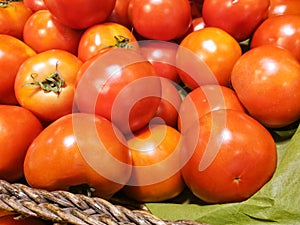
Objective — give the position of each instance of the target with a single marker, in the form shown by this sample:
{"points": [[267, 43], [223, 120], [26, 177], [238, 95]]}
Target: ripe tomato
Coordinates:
{"points": [[167, 111], [99, 37], [214, 47], [233, 156], [120, 13], [267, 82], [80, 14], [35, 5], [160, 20], [18, 129], [282, 31], [284, 7], [120, 85], [162, 55], [42, 32], [10, 61], [14, 220], [239, 18], [79, 149], [45, 83], [156, 172], [13, 16], [203, 100]]}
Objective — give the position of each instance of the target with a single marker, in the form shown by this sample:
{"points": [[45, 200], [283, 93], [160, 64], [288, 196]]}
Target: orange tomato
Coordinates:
{"points": [[156, 164], [214, 47]]}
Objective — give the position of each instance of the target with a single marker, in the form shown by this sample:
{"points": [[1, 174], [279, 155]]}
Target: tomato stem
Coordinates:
{"points": [[121, 42], [5, 3], [54, 82]]}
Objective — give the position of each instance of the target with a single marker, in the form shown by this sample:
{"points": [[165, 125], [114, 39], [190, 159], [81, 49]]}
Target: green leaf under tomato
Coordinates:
{"points": [[275, 203]]}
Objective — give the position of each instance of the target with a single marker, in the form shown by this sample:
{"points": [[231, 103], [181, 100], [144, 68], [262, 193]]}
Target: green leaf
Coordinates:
{"points": [[277, 202]]}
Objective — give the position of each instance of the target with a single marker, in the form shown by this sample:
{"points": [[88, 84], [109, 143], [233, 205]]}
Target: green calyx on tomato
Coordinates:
{"points": [[54, 82], [5, 3]]}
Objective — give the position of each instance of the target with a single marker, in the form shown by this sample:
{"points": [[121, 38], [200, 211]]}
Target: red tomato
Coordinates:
{"points": [[233, 156], [284, 7], [168, 108], [15, 220], [203, 100], [160, 20], [18, 129], [212, 46], [13, 16], [45, 83], [99, 37], [80, 14], [122, 86], [120, 13], [267, 82], [155, 151], [196, 8], [162, 55], [282, 31], [239, 18], [35, 5], [10, 62], [95, 152], [42, 32]]}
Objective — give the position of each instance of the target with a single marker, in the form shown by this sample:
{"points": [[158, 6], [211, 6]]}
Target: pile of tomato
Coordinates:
{"points": [[147, 98]]}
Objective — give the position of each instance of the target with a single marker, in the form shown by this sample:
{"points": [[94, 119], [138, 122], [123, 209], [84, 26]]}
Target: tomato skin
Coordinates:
{"points": [[150, 147], [162, 55], [284, 7], [167, 111], [245, 160], [120, 13], [90, 12], [268, 77], [282, 31], [239, 18], [160, 20], [128, 90], [18, 129], [84, 141], [216, 48], [35, 5], [42, 32], [47, 105], [100, 36], [14, 220], [12, 19], [10, 62], [203, 100]]}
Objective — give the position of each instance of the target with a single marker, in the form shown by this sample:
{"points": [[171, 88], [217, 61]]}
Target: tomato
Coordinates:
{"points": [[45, 83], [80, 14], [13, 16], [102, 36], [120, 13], [18, 129], [167, 111], [42, 32], [284, 7], [239, 18], [162, 55], [121, 86], [216, 48], [10, 62], [196, 8], [282, 31], [266, 79], [233, 156], [35, 5], [94, 149], [203, 100], [160, 20], [14, 220], [155, 151]]}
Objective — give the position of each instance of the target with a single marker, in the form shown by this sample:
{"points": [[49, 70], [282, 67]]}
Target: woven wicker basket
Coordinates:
{"points": [[63, 207]]}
